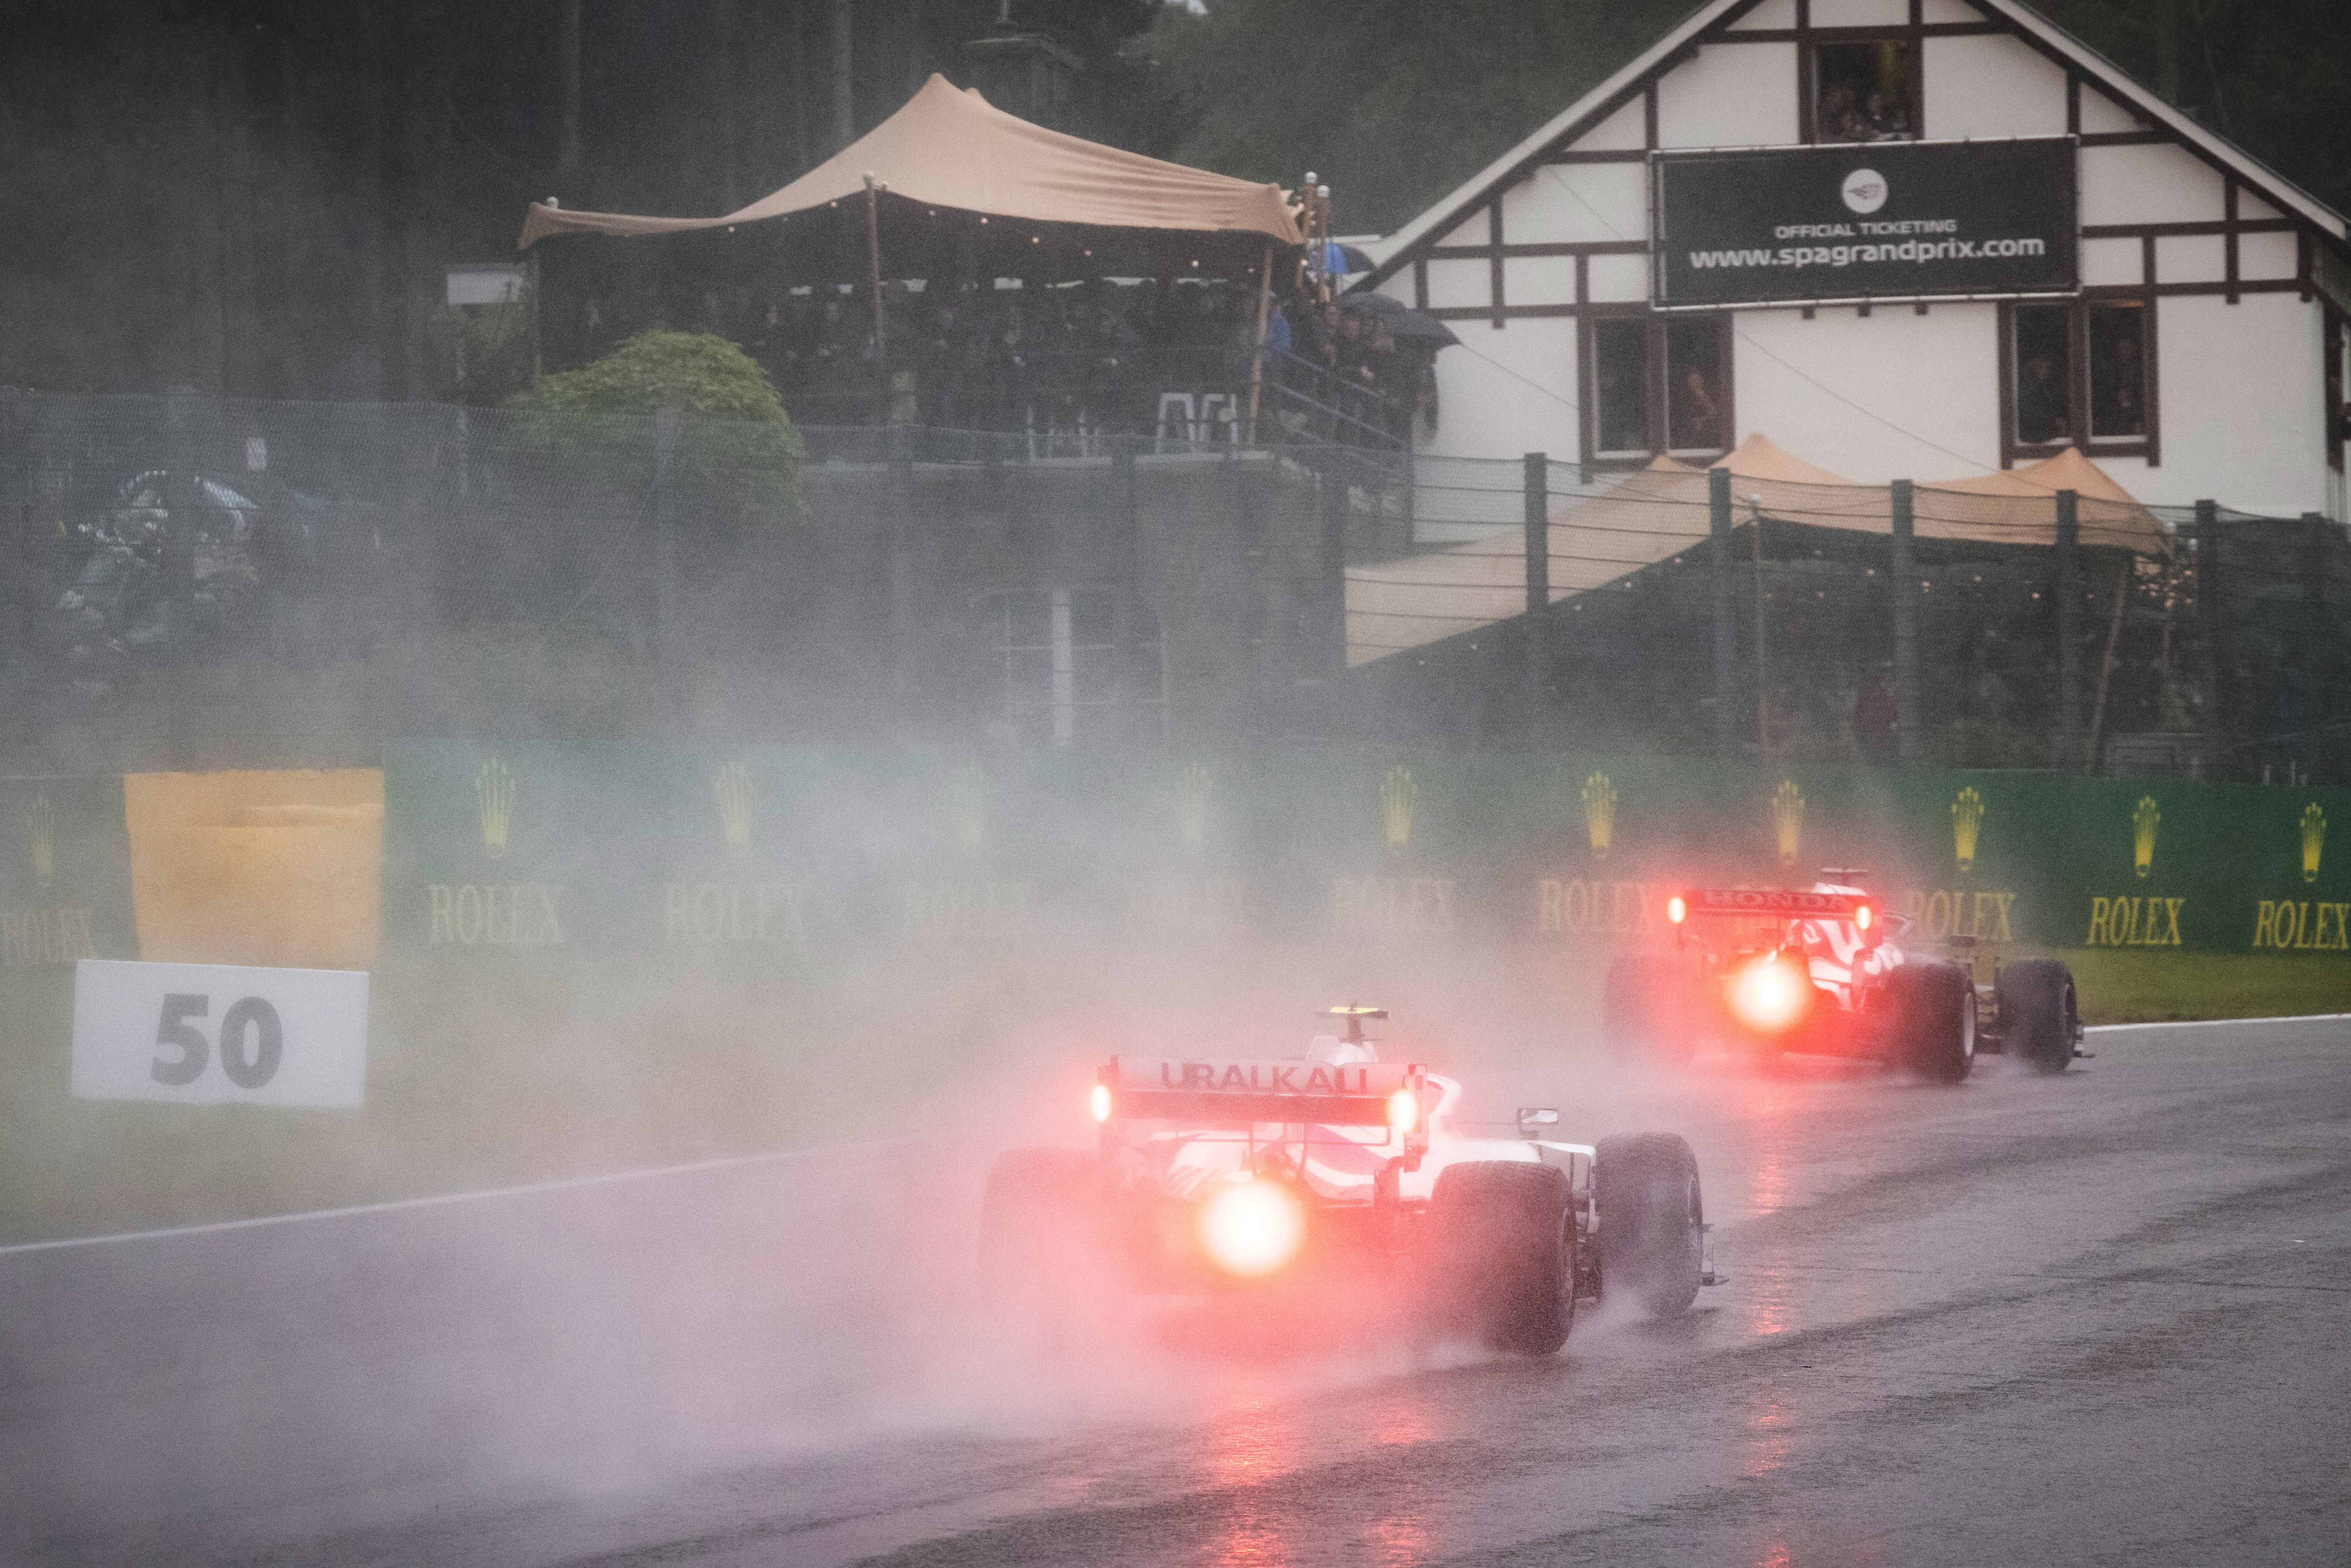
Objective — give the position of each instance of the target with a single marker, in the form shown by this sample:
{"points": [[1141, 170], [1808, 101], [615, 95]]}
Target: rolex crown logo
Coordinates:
{"points": [[1788, 814], [1398, 795], [1600, 813], [41, 829], [732, 786], [1192, 807], [967, 802], [494, 792], [2145, 818], [1966, 817], [2313, 839]]}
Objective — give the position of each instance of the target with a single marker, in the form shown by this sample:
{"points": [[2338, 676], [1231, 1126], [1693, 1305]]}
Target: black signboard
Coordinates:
{"points": [[1877, 220]]}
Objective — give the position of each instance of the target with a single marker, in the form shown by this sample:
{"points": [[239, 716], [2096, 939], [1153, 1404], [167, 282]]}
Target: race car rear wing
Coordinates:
{"points": [[1772, 904], [1221, 1092]]}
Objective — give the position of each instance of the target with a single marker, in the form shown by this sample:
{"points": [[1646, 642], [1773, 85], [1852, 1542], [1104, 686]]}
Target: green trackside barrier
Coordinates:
{"points": [[2034, 859], [65, 872], [783, 855]]}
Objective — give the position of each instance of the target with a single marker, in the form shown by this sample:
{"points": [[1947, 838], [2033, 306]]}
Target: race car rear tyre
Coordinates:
{"points": [[1645, 1009], [1043, 1229], [1509, 1230], [2038, 1015], [1934, 1020], [1652, 1221]]}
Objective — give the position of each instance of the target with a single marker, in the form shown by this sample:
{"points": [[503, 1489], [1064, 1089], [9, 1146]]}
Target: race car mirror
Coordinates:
{"points": [[1532, 1119]]}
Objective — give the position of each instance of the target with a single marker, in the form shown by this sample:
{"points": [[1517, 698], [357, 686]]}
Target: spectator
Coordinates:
{"points": [[1697, 416], [1840, 119], [2041, 406], [1885, 118]]}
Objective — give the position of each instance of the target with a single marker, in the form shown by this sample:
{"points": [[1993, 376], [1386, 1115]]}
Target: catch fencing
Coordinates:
{"points": [[364, 572], [1693, 612]]}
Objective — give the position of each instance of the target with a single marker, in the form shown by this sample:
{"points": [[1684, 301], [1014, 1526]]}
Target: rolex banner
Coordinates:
{"points": [[513, 852], [2034, 860], [65, 872], [783, 856]]}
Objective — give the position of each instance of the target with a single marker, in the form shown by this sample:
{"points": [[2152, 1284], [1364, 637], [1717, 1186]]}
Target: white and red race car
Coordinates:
{"points": [[1335, 1170], [1822, 970]]}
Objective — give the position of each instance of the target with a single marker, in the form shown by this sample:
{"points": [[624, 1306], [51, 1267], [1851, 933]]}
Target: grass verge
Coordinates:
{"points": [[516, 1073], [2149, 987]]}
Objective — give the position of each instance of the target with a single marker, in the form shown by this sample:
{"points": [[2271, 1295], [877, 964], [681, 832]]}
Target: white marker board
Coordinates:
{"points": [[215, 1034]]}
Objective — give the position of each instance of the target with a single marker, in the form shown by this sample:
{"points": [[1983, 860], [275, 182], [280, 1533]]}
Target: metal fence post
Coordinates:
{"points": [[1538, 621], [1903, 575], [1336, 509], [898, 452], [2069, 629], [669, 680], [2208, 616], [1126, 522], [1726, 613]]}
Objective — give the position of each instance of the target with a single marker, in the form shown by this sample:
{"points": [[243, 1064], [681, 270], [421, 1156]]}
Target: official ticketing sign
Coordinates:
{"points": [[1851, 223]]}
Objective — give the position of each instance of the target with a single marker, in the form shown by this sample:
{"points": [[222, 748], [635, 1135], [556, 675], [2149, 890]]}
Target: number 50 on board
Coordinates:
{"points": [[212, 1034]]}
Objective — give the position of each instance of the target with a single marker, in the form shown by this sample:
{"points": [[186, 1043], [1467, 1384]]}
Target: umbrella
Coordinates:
{"points": [[1401, 320]]}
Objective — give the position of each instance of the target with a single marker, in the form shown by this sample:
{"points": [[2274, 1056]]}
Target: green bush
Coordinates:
{"points": [[737, 458]]}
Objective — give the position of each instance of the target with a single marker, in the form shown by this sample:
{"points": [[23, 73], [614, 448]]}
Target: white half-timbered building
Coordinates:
{"points": [[2195, 347]]}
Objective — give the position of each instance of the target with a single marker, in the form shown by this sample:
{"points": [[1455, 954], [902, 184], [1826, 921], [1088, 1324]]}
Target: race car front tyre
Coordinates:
{"points": [[2038, 1014], [1652, 1221], [1934, 1020], [1509, 1231], [1043, 1226], [1645, 1009]]}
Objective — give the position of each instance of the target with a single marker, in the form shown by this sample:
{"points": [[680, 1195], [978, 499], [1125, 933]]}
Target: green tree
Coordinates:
{"points": [[737, 452], [1394, 102]]}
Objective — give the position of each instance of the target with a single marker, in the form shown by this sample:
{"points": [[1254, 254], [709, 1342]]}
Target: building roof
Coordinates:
{"points": [[1586, 112]]}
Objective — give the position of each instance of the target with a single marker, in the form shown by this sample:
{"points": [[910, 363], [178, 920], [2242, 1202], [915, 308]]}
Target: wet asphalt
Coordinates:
{"points": [[2100, 1318]]}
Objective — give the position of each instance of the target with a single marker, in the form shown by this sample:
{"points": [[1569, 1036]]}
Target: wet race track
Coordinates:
{"points": [[2103, 1318]]}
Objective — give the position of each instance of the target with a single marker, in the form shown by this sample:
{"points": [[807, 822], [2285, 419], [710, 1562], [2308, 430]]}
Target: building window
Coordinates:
{"points": [[2079, 374], [2338, 402], [1698, 402], [1866, 90], [2044, 375], [1655, 384], [1620, 387], [2117, 370]]}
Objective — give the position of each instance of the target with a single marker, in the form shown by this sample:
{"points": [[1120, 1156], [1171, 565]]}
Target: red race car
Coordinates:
{"points": [[1822, 970]]}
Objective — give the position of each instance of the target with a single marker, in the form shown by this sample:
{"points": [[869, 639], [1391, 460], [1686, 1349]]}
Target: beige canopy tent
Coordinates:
{"points": [[954, 167], [1661, 510]]}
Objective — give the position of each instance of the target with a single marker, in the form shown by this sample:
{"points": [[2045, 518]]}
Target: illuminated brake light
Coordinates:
{"points": [[1252, 1228], [1862, 917], [1675, 910], [1404, 1111], [1099, 1102], [1768, 994]]}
